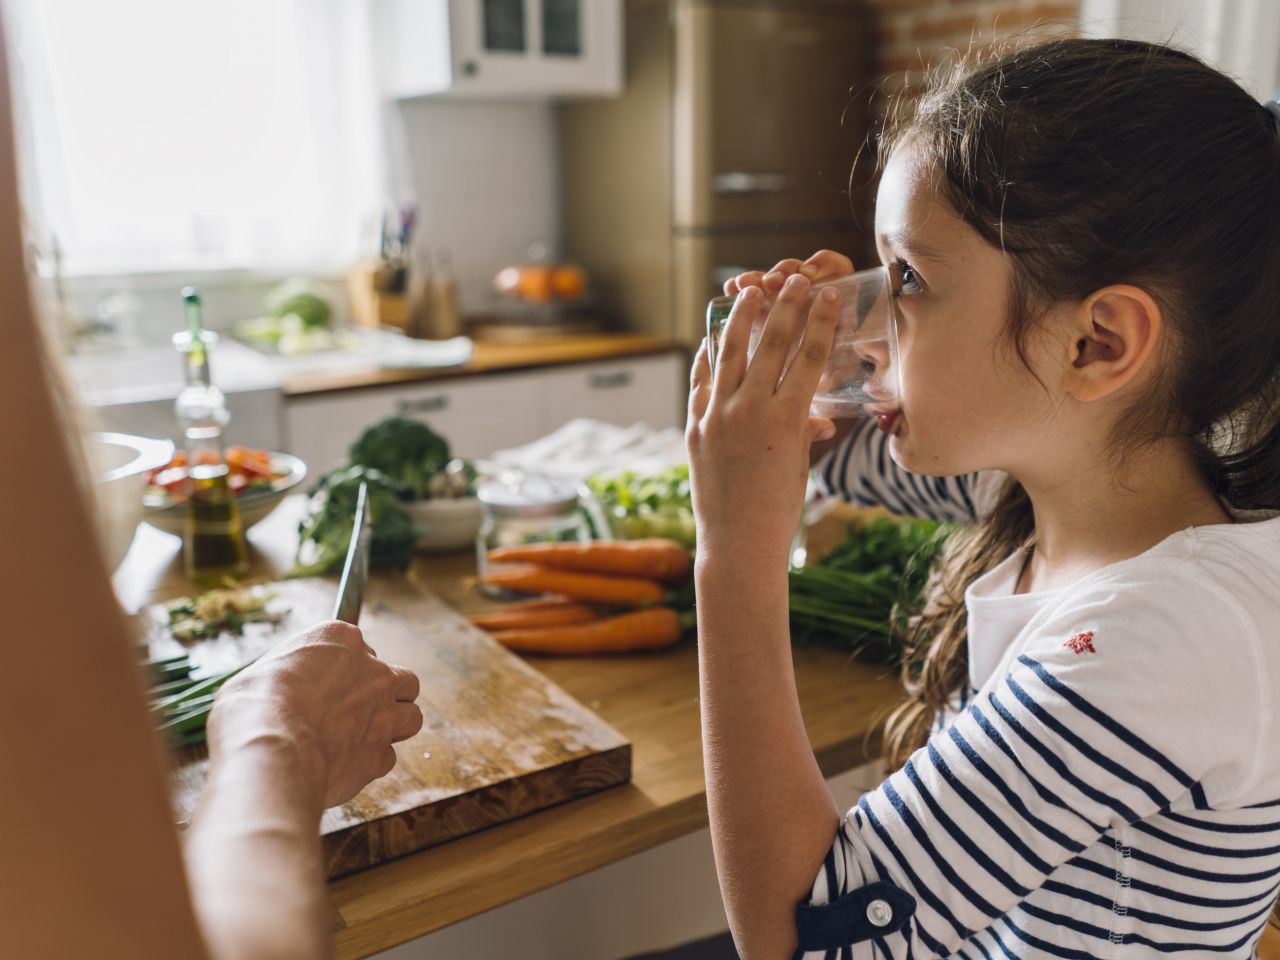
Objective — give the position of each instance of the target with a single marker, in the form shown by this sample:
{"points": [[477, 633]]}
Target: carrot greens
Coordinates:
{"points": [[859, 595]]}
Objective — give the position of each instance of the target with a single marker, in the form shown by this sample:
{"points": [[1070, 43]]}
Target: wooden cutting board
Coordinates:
{"points": [[499, 739]]}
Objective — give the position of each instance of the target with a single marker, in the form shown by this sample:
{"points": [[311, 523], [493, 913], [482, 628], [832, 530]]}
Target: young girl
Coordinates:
{"points": [[1084, 238]]}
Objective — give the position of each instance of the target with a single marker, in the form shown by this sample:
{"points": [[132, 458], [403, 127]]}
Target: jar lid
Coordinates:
{"points": [[530, 495]]}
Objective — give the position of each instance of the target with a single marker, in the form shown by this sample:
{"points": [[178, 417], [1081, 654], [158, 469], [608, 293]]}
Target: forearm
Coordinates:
{"points": [[772, 816], [253, 858]]}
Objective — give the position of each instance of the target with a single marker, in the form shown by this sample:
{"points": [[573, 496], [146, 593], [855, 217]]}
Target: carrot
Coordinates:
{"points": [[537, 613], [531, 578], [636, 630], [652, 559]]}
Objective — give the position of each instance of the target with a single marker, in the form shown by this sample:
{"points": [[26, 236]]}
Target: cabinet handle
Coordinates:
{"points": [[610, 381], [742, 183], [424, 405]]}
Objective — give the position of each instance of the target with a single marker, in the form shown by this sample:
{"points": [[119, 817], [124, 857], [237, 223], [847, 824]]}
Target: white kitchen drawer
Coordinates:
{"points": [[477, 415], [650, 390]]}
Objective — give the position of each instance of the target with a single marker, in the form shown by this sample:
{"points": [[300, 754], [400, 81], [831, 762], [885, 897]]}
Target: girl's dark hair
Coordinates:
{"points": [[1096, 162]]}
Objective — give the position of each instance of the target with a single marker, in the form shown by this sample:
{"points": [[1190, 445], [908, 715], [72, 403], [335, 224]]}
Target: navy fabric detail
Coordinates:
{"points": [[1204, 848], [944, 867], [1055, 763], [1222, 827], [962, 839], [992, 819], [1045, 794], [917, 882], [844, 921], [1177, 896], [1121, 732]]}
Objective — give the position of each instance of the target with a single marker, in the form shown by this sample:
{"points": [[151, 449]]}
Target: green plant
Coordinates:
{"points": [[325, 533], [407, 451], [861, 593]]}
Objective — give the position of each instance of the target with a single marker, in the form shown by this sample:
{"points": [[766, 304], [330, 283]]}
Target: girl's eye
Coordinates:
{"points": [[908, 280]]}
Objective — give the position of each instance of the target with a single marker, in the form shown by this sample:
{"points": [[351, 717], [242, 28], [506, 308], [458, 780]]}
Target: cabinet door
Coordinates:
{"points": [[649, 390], [477, 416], [537, 47]]}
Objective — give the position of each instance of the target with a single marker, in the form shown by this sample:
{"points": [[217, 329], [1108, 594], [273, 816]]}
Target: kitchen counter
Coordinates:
{"points": [[489, 357], [651, 700]]}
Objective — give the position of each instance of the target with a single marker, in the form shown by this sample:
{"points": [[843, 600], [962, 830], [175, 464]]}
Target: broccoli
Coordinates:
{"points": [[407, 451], [331, 510]]}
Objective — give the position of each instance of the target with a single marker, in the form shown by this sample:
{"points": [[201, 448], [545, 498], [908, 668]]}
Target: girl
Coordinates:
{"points": [[1084, 239]]}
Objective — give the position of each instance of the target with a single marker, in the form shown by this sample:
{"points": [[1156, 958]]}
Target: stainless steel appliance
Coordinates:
{"points": [[730, 148]]}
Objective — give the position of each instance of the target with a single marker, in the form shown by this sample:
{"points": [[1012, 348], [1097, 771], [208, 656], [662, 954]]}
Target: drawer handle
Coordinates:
{"points": [[610, 381], [425, 405]]}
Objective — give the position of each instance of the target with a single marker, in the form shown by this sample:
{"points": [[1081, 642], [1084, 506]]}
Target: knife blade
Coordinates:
{"points": [[355, 572]]}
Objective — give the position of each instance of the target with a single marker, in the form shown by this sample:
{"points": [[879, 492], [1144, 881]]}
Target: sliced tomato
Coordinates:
{"points": [[253, 463]]}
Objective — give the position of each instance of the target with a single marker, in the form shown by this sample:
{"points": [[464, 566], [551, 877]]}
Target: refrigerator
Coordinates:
{"points": [[730, 148]]}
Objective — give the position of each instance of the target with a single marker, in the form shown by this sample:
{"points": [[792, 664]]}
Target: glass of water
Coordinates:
{"points": [[864, 367]]}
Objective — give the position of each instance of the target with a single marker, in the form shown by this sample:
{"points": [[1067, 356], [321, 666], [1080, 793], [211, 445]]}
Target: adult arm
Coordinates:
{"points": [[91, 863]]}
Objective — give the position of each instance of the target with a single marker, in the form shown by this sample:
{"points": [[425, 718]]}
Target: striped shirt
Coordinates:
{"points": [[1107, 786]]}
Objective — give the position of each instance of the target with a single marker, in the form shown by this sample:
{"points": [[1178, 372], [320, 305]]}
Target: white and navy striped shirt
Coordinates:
{"points": [[1109, 784]]}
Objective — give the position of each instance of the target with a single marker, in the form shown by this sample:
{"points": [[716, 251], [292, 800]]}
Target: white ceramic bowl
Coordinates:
{"points": [[254, 503], [120, 463], [447, 523]]}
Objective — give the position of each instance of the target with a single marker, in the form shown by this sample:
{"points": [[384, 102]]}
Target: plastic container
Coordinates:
{"points": [[864, 365], [522, 508]]}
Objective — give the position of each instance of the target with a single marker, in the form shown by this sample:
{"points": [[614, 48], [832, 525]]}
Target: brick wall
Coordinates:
{"points": [[909, 33]]}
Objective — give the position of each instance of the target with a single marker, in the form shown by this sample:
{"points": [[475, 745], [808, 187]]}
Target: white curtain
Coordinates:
{"points": [[1239, 37], [195, 135]]}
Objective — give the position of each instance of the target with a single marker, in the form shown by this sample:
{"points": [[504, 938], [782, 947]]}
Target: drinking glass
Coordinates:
{"points": [[864, 365]]}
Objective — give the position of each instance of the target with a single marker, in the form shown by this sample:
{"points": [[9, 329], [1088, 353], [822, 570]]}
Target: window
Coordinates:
{"points": [[179, 135]]}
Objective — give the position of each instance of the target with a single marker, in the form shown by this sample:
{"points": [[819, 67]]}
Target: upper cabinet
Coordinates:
{"points": [[501, 48]]}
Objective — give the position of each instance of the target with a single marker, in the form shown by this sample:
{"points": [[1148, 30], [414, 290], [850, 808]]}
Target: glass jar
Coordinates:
{"points": [[523, 508]]}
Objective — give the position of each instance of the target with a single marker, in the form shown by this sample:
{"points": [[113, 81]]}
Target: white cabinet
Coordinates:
{"points": [[481, 414], [477, 415], [500, 48], [647, 390]]}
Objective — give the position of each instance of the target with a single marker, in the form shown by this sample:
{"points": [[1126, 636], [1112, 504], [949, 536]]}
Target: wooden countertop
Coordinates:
{"points": [[652, 700], [491, 357]]}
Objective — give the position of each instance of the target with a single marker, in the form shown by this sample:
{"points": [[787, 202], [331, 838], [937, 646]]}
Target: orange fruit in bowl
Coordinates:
{"points": [[568, 282], [535, 284]]}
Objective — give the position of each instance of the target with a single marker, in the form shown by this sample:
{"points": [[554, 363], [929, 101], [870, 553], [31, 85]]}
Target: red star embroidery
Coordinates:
{"points": [[1081, 643]]}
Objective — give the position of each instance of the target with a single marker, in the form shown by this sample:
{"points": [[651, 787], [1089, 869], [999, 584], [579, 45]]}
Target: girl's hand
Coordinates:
{"points": [[749, 433], [823, 265], [325, 696]]}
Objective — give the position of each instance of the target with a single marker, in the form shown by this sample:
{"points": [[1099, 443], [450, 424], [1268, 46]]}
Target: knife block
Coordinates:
{"points": [[371, 305]]}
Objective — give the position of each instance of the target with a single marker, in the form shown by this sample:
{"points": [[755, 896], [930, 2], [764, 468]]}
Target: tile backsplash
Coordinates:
{"points": [[487, 185]]}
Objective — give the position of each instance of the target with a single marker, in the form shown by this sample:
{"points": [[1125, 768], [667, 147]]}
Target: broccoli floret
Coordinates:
{"points": [[407, 451], [331, 510]]}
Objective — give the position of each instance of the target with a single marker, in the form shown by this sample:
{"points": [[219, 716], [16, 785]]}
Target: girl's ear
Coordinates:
{"points": [[1115, 335]]}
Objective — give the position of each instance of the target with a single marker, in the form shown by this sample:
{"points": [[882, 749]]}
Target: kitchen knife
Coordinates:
{"points": [[355, 572]]}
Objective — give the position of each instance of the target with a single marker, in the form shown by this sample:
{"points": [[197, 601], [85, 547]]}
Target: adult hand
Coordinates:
{"points": [[749, 429], [823, 265], [325, 695]]}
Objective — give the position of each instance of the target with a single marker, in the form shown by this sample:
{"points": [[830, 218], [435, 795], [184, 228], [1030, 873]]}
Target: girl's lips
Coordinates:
{"points": [[886, 417]]}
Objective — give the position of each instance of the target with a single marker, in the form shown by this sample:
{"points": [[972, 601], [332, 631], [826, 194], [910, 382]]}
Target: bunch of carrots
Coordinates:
{"points": [[602, 597]]}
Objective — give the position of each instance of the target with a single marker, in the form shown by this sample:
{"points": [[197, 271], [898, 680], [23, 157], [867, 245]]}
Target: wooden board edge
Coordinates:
{"points": [[361, 846]]}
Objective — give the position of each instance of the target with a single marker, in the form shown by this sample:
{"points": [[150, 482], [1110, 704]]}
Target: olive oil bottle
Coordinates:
{"points": [[214, 540]]}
